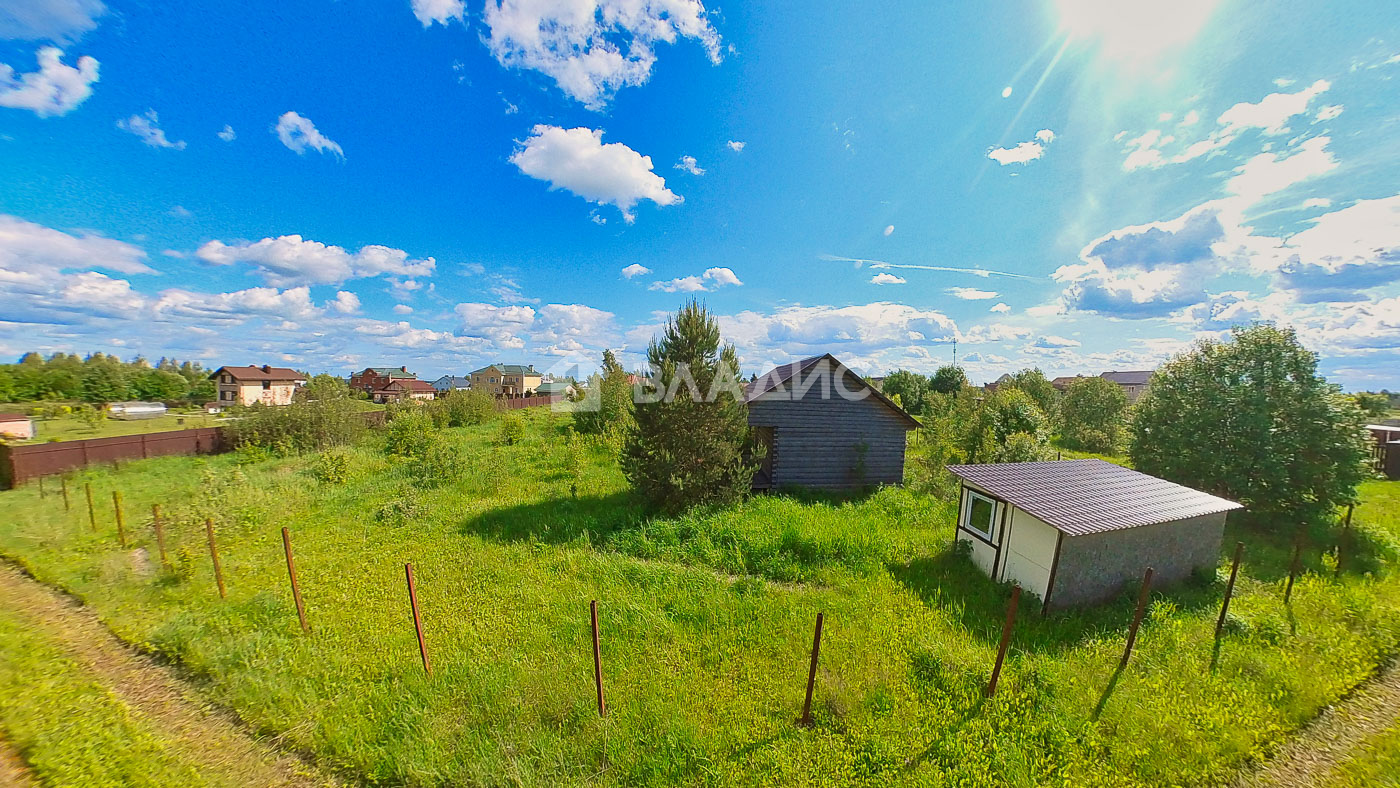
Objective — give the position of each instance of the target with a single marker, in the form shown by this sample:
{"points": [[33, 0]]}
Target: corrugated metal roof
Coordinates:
{"points": [[1090, 496], [779, 375]]}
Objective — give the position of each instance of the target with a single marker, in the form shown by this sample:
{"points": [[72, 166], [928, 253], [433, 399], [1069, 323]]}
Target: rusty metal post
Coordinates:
{"points": [[417, 622], [1143, 594], [597, 659], [160, 534], [63, 485], [806, 719], [92, 513], [292, 573], [1293, 567], [1005, 639], [214, 553], [121, 521], [1229, 590]]}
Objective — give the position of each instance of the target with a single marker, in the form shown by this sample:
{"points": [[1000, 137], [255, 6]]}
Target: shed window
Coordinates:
{"points": [[979, 515]]}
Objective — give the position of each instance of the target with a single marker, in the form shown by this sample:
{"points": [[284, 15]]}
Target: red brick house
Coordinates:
{"points": [[374, 379]]}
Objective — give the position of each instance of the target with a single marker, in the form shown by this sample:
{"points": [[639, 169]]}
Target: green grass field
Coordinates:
{"points": [[706, 626], [67, 428]]}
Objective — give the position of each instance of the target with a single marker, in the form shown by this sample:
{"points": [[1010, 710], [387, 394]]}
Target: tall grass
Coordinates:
{"points": [[706, 625]]}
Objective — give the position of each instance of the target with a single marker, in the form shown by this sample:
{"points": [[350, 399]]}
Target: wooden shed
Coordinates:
{"points": [[825, 427], [1075, 532]]}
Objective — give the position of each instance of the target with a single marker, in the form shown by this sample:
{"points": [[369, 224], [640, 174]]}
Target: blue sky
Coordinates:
{"points": [[1078, 185]]}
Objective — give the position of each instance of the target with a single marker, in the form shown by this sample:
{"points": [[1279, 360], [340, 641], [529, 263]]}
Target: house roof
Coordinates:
{"points": [[13, 417], [779, 375], [410, 384], [454, 381], [550, 386], [1064, 380], [1136, 378], [510, 369], [1082, 497], [390, 372], [274, 374]]}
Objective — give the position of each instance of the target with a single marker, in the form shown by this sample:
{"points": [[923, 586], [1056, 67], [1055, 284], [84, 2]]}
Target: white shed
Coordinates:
{"points": [[1075, 532]]}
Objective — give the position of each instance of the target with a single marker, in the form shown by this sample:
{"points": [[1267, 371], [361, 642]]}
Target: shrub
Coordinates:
{"points": [[442, 462], [1093, 415], [512, 430], [464, 409], [332, 467], [606, 406], [399, 510], [299, 427], [410, 432]]}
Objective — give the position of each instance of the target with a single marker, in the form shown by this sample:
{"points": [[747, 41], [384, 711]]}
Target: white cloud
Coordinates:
{"points": [[889, 230], [593, 48], [971, 293], [1342, 254], [883, 278], [712, 279], [30, 249], [345, 302], [1023, 152], [55, 89], [237, 306], [227, 134], [1190, 118], [1317, 202], [1329, 112], [635, 269], [147, 127], [1006, 92], [606, 174], [736, 146], [1000, 308], [1052, 342], [49, 20], [440, 11], [403, 309], [1271, 113], [690, 165], [855, 334], [1269, 173], [289, 260], [299, 134]]}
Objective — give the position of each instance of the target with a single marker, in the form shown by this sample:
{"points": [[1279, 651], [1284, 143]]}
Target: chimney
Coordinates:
{"points": [[403, 369], [266, 368]]}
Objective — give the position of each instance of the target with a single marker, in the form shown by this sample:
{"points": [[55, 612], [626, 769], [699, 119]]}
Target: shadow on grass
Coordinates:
{"points": [[561, 520], [1268, 549], [951, 582]]}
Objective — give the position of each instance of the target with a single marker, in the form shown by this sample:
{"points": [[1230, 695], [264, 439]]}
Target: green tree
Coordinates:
{"points": [[912, 388], [948, 379], [324, 387], [1008, 412], [1039, 388], [104, 382], [1093, 415], [159, 386], [606, 407], [691, 432], [1251, 420], [1373, 405]]}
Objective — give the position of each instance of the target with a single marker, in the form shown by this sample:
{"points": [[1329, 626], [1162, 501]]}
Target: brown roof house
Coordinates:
{"points": [[253, 384], [1075, 532], [823, 426], [405, 390], [1134, 384], [372, 379]]}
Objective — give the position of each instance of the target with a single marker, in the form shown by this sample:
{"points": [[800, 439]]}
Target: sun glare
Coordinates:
{"points": [[1134, 29]]}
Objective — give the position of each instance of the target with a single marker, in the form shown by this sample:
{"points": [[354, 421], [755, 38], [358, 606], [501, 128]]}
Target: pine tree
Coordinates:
{"points": [[688, 445]]}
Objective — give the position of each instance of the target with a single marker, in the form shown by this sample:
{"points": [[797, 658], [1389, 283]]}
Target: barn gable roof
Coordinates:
{"points": [[1082, 497], [779, 375]]}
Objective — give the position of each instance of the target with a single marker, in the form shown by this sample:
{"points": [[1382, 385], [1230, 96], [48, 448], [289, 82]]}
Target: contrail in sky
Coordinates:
{"points": [[878, 264]]}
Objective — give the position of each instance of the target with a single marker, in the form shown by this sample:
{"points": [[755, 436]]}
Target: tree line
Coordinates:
{"points": [[102, 378]]}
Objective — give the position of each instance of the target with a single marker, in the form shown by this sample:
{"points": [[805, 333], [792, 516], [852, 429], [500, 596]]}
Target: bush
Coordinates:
{"points": [[299, 427], [332, 467], [410, 432], [1093, 415], [400, 510], [512, 430], [463, 409], [442, 462]]}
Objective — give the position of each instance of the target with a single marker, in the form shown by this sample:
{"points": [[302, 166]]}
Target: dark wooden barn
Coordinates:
{"points": [[824, 427]]}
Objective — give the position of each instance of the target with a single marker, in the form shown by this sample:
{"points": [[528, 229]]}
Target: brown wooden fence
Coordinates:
{"points": [[527, 402], [19, 464]]}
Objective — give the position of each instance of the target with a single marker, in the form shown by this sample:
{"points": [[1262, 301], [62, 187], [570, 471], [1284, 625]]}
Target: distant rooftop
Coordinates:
{"points": [[1135, 378]]}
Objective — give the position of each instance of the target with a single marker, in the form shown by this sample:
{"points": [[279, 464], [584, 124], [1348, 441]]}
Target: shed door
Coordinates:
{"points": [[765, 439]]}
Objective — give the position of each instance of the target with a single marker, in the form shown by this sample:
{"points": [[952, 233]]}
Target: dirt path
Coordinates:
{"points": [[208, 738], [13, 771], [1336, 736]]}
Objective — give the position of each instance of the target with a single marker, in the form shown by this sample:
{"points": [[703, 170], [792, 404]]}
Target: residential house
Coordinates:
{"points": [[449, 383], [1134, 384], [252, 384], [554, 388], [405, 390], [998, 383], [16, 426], [823, 426], [507, 381], [373, 379], [1062, 383], [1076, 532]]}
